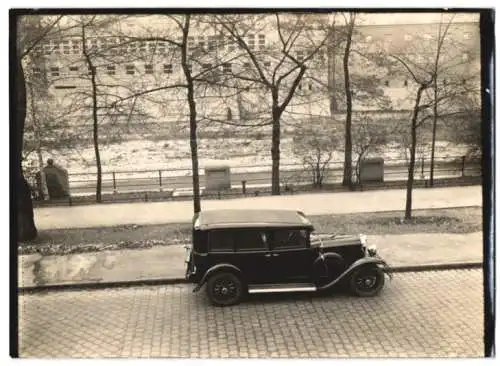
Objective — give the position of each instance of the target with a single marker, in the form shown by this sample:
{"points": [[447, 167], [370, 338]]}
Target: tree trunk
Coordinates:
{"points": [[26, 229], [434, 128], [95, 136], [38, 141], [413, 151], [193, 138], [194, 147], [275, 152], [347, 180]]}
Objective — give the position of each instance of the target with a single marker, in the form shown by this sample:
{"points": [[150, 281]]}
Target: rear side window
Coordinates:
{"points": [[221, 241], [290, 239], [239, 240]]}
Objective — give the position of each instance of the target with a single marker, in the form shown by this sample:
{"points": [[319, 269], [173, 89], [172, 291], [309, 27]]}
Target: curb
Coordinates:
{"points": [[175, 281]]}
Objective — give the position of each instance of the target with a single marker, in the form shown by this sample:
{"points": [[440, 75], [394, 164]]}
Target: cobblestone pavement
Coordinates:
{"points": [[417, 315]]}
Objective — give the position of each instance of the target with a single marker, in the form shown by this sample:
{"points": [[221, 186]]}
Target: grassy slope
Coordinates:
{"points": [[63, 241]]}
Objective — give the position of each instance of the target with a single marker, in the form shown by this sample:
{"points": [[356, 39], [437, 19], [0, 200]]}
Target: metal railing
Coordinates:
{"points": [[254, 180]]}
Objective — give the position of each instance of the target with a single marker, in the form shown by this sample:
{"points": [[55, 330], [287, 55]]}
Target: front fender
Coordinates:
{"points": [[214, 269], [360, 262]]}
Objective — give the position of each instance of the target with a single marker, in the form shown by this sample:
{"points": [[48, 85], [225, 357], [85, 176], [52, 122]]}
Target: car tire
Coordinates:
{"points": [[367, 281], [224, 289]]}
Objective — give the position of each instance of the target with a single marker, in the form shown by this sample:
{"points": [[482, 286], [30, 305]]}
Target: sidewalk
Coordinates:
{"points": [[146, 213], [167, 262]]}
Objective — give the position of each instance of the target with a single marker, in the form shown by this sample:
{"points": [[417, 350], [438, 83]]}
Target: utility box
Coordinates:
{"points": [[217, 178], [57, 180], [371, 170]]}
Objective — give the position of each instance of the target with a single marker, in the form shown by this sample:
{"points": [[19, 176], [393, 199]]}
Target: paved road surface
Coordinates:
{"points": [[424, 314]]}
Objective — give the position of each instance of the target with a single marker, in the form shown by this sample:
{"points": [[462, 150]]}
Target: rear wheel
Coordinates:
{"points": [[367, 281], [224, 289]]}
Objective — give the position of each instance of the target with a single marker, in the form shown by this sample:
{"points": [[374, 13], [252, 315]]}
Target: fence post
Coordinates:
{"points": [[244, 187], [463, 166], [159, 176], [422, 162], [114, 183]]}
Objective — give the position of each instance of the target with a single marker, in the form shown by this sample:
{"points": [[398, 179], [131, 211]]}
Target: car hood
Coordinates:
{"points": [[333, 240]]}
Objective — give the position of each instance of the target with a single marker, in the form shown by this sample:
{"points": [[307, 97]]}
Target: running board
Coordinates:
{"points": [[285, 287]]}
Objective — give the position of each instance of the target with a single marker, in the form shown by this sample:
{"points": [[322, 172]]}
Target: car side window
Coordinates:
{"points": [[290, 239], [221, 241], [248, 240]]}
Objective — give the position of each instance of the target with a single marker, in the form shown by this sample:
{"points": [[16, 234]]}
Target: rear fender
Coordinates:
{"points": [[217, 268], [359, 263]]}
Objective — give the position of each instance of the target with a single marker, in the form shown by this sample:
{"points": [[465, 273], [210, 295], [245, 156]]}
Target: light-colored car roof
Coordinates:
{"points": [[227, 219]]}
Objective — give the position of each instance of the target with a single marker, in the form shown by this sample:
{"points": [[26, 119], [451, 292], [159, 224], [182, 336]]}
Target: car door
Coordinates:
{"points": [[250, 252], [292, 256]]}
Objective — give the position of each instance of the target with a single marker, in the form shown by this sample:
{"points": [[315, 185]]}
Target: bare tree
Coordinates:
{"points": [[361, 70], [316, 143], [429, 95], [276, 70], [347, 180], [28, 37], [369, 137]]}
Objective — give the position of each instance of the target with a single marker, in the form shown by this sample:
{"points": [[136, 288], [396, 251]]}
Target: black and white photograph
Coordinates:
{"points": [[251, 183]]}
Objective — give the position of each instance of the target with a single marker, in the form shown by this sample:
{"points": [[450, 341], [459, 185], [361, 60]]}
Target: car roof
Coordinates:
{"points": [[232, 219]]}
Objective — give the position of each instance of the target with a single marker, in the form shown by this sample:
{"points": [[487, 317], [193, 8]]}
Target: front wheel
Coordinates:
{"points": [[367, 281], [224, 289]]}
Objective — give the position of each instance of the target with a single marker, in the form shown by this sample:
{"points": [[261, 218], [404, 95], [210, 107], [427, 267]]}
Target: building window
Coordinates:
{"points": [[267, 65], [191, 44], [56, 47], [310, 86], [262, 41], [368, 38], [54, 71], [37, 71], [93, 44], [246, 65], [132, 47], [142, 47], [211, 43], [205, 67], [76, 47], [167, 69], [148, 68], [161, 47], [111, 69], [129, 69], [408, 37], [444, 82], [300, 56], [427, 36], [73, 69], [300, 86], [227, 68], [152, 47], [66, 48], [386, 83], [406, 83], [201, 42], [251, 41], [465, 56], [47, 48]]}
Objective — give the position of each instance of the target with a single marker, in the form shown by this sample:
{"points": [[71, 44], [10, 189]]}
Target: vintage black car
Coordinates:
{"points": [[236, 252]]}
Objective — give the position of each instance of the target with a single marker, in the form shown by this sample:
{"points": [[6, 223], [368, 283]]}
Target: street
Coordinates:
{"points": [[420, 314]]}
